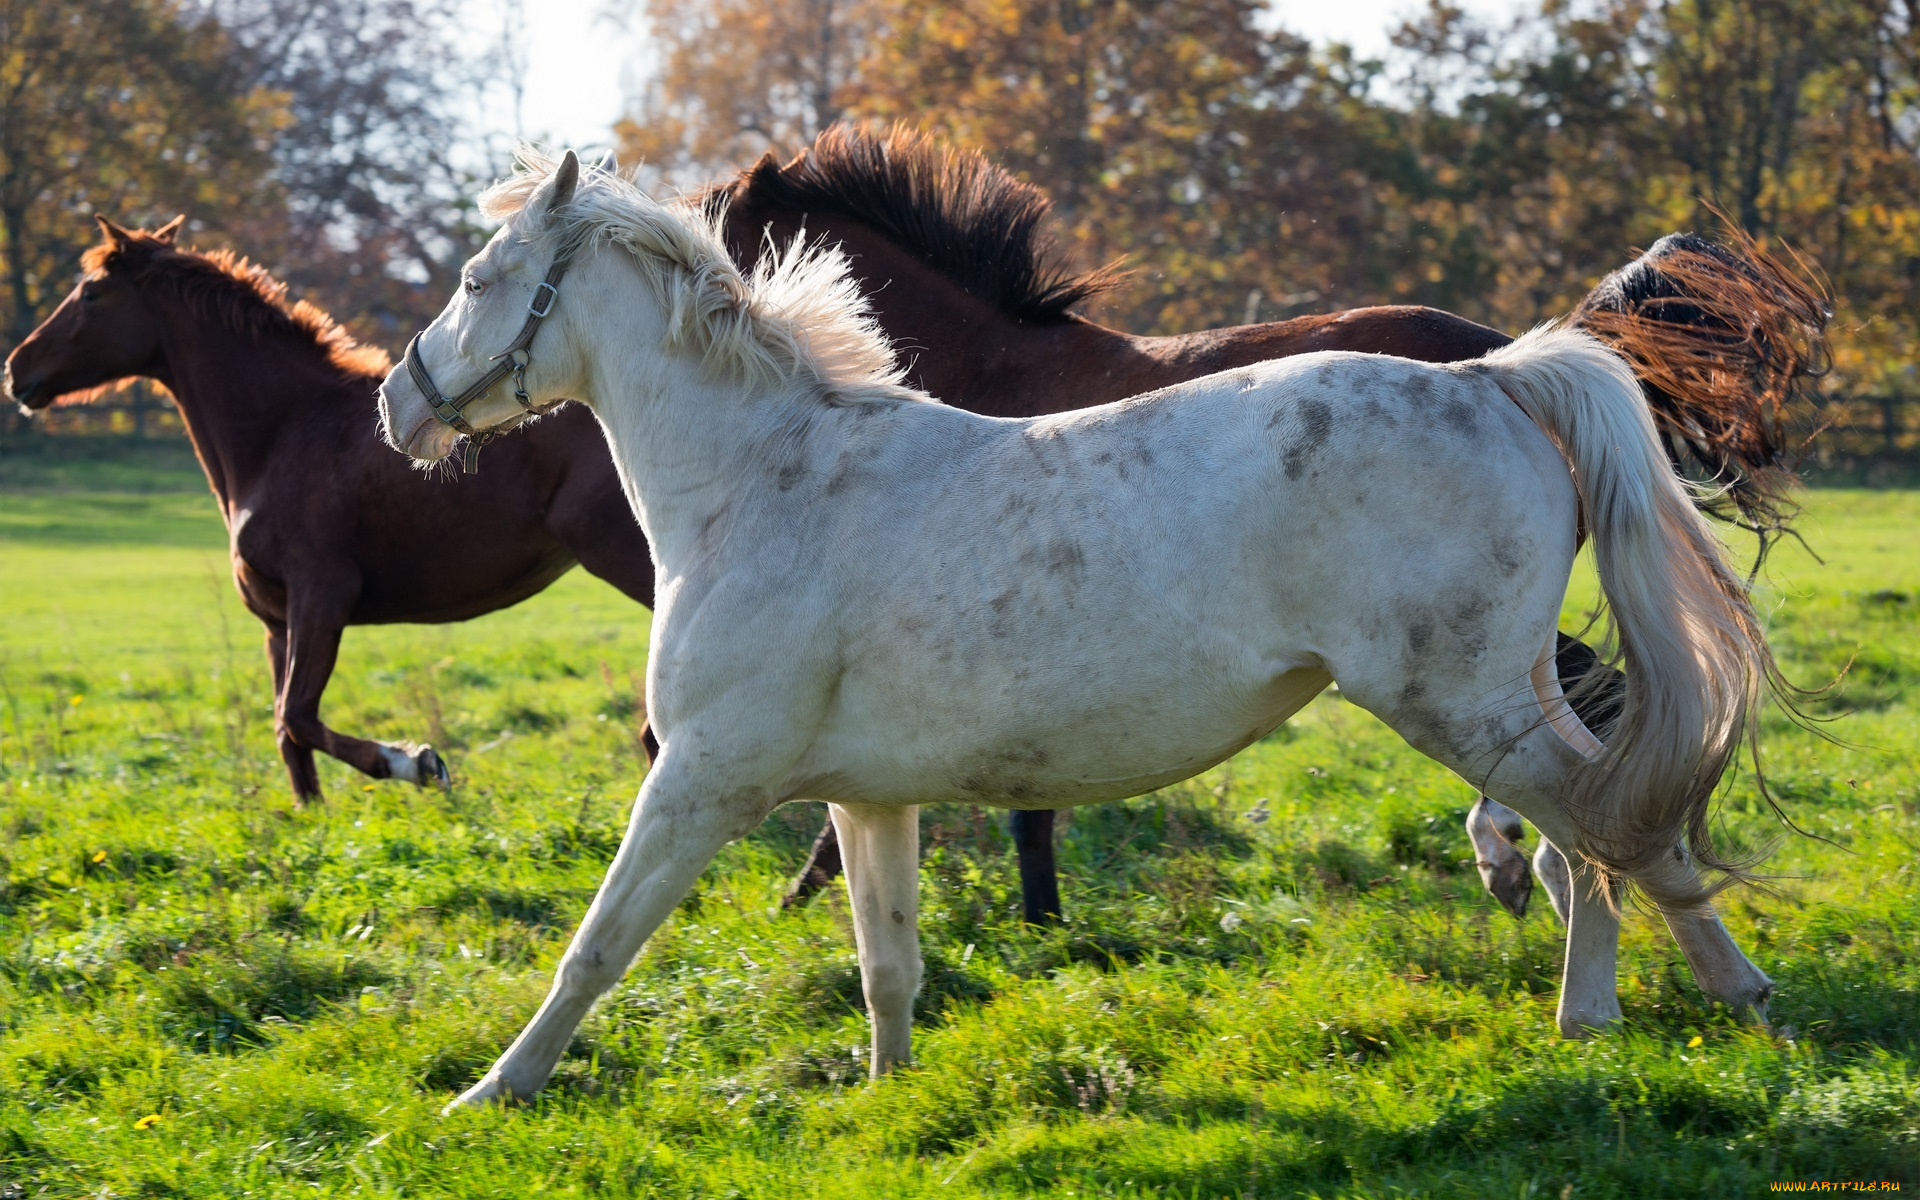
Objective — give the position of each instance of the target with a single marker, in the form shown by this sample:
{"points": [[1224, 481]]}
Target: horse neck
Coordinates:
{"points": [[234, 392], [685, 439], [957, 347]]}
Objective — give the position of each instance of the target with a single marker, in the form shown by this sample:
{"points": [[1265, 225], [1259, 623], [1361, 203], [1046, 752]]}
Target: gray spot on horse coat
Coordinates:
{"points": [[1032, 442], [1316, 426], [790, 475], [1459, 414], [1064, 557], [1508, 555], [1469, 624], [1379, 413], [1420, 635], [899, 918]]}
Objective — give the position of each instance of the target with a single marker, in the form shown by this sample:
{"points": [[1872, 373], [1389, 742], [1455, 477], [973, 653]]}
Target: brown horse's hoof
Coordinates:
{"points": [[432, 770], [412, 762]]}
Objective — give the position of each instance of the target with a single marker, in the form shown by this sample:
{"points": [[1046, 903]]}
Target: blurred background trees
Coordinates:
{"points": [[314, 135], [1496, 170]]}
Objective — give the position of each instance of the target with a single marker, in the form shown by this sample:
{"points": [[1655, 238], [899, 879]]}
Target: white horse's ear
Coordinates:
{"points": [[565, 180], [608, 164], [557, 190]]}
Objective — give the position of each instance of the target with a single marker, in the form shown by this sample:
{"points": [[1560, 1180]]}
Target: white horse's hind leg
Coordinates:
{"points": [[880, 847], [1719, 967], [1722, 971], [675, 831], [1589, 988]]}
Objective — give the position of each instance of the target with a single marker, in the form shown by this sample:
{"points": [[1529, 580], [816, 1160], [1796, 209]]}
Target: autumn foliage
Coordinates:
{"points": [[1494, 171]]}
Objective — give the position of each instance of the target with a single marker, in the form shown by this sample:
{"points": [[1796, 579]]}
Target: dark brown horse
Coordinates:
{"points": [[949, 249], [328, 527]]}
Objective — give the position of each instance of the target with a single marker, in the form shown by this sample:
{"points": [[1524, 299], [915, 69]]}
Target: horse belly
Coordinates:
{"points": [[1028, 744]]}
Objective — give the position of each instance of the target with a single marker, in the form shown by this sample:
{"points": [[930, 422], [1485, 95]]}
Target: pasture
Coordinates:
{"points": [[1279, 979]]}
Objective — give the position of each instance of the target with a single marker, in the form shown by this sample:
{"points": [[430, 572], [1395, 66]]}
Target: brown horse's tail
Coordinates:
{"points": [[1723, 339]]}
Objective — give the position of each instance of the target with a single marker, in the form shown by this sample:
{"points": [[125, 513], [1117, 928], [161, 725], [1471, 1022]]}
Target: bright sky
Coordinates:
{"points": [[1364, 24], [580, 66]]}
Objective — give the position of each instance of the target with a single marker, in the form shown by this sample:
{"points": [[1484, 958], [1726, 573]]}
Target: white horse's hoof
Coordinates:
{"points": [[1509, 881], [1576, 1026], [490, 1090], [1494, 831]]}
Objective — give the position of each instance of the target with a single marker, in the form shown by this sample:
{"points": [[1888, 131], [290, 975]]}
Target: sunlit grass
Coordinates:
{"points": [[1279, 979]]}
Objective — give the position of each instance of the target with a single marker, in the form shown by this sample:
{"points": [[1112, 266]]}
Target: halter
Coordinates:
{"points": [[511, 361]]}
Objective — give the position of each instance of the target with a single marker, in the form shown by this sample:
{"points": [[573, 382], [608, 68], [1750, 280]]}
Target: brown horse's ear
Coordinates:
{"points": [[167, 232], [112, 232]]}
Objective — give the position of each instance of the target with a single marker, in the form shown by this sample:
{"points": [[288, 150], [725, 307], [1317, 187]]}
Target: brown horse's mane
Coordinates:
{"points": [[971, 220], [239, 293]]}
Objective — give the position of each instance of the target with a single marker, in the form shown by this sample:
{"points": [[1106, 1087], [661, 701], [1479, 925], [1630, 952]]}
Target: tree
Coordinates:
{"points": [[124, 107], [377, 216], [739, 77]]}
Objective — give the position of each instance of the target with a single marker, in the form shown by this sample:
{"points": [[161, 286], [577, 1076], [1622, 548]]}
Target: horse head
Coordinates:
{"points": [[103, 332], [453, 379]]}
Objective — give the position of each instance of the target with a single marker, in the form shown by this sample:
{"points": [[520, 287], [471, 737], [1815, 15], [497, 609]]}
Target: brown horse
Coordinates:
{"points": [[328, 528], [948, 248]]}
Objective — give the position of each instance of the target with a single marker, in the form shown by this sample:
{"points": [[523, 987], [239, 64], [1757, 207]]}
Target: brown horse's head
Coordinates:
{"points": [[103, 332]]}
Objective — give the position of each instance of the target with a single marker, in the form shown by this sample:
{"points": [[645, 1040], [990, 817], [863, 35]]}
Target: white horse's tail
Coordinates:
{"points": [[1696, 660]]}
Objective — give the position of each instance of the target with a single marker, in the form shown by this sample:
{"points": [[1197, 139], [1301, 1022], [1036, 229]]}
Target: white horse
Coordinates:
{"points": [[875, 600]]}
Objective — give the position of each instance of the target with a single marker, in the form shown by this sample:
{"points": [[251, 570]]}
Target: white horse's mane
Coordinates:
{"points": [[798, 319]]}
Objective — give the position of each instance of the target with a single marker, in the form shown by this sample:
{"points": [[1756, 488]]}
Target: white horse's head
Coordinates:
{"points": [[501, 288], [798, 321]]}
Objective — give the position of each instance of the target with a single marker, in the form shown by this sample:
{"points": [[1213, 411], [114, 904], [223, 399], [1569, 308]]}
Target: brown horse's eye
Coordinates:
{"points": [[89, 293]]}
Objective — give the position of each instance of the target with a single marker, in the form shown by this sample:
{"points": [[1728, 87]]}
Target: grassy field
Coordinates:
{"points": [[1281, 979]]}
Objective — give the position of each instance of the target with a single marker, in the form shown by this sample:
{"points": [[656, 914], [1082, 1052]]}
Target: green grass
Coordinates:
{"points": [[1279, 979]]}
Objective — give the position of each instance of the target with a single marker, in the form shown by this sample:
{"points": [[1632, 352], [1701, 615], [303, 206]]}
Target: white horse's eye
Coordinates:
{"points": [[474, 286]]}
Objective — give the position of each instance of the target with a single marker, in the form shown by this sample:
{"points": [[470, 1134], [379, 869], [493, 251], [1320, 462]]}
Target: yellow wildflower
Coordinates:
{"points": [[148, 1121]]}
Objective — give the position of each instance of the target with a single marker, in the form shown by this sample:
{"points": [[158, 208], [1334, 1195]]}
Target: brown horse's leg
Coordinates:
{"points": [[314, 647], [1039, 883], [301, 771], [823, 867]]}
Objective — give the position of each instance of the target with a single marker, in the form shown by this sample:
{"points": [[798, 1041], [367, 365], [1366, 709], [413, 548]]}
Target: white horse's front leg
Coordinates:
{"points": [[881, 849], [674, 833]]}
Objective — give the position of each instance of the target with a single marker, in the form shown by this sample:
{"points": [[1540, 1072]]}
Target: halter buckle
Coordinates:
{"points": [[539, 305]]}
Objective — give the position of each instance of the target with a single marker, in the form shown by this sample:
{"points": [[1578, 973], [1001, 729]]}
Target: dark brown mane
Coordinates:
{"points": [[969, 219], [240, 294]]}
